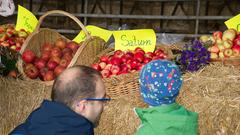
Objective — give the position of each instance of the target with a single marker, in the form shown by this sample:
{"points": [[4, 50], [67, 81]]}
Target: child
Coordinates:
{"points": [[160, 82]]}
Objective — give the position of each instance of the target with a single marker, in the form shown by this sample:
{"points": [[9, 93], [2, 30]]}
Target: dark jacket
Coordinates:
{"points": [[53, 118]]}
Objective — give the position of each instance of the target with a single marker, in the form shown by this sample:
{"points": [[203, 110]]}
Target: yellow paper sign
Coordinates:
{"points": [[130, 39], [26, 20], [234, 22], [94, 31]]}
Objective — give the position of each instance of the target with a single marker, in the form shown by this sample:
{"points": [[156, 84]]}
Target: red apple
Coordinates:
{"points": [[5, 44], [138, 49], [129, 54], [214, 49], [67, 56], [149, 55], [157, 58], [46, 47], [115, 61], [51, 65], [28, 56], [118, 53], [139, 67], [40, 63], [11, 41], [139, 56], [58, 70], [236, 41], [124, 59], [134, 64], [96, 66], [61, 43], [67, 50], [13, 73], [4, 38], [236, 48], [18, 44], [64, 63], [122, 72], [115, 69], [73, 46], [27, 66], [147, 60], [108, 66], [102, 65], [55, 59], [18, 49], [56, 52], [42, 73], [32, 72], [217, 35], [236, 53], [49, 76], [105, 73], [46, 55], [125, 67], [104, 59]]}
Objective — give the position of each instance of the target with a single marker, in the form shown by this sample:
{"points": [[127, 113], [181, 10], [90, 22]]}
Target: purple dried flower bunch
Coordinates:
{"points": [[194, 56]]}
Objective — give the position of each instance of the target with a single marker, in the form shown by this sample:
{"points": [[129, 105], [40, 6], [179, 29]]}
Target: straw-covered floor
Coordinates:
{"points": [[213, 92]]}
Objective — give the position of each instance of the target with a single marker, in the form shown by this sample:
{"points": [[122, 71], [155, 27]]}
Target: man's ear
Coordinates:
{"points": [[81, 106]]}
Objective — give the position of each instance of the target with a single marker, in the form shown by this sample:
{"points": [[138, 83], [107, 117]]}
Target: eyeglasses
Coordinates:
{"points": [[105, 99]]}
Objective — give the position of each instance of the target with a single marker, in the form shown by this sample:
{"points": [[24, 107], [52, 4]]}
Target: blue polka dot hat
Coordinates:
{"points": [[160, 82]]}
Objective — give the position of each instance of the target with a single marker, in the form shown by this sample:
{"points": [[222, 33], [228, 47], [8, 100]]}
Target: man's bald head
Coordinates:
{"points": [[75, 83]]}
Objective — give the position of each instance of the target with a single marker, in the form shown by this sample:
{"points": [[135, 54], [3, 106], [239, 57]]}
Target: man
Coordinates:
{"points": [[78, 94]]}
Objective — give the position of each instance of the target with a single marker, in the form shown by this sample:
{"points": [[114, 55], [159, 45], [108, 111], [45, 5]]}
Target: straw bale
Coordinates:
{"points": [[17, 100], [214, 93], [119, 118]]}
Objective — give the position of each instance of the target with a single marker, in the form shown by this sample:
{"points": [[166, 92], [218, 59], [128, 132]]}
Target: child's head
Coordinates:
{"points": [[160, 82]]}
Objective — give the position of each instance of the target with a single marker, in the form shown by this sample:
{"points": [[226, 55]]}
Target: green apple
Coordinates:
{"points": [[227, 44], [221, 55], [221, 47], [204, 38], [213, 55], [228, 52], [229, 34]]}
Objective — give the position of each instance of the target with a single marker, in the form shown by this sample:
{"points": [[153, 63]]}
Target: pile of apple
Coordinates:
{"points": [[123, 62], [9, 37], [225, 45], [53, 60]]}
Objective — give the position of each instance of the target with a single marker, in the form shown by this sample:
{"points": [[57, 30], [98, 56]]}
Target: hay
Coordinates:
{"points": [[17, 100], [212, 92], [119, 118]]}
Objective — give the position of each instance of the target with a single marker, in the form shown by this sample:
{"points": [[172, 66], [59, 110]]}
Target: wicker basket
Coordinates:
{"points": [[42, 35], [228, 61], [125, 84]]}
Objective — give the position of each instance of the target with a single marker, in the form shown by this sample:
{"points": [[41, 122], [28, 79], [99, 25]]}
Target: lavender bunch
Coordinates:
{"points": [[193, 57]]}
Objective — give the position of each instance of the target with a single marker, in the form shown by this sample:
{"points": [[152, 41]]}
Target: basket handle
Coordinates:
{"points": [[66, 14]]}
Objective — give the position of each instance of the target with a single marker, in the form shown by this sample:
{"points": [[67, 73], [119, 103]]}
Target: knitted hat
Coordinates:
{"points": [[160, 82]]}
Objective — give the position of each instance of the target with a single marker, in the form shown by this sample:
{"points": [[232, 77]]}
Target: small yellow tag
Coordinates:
{"points": [[130, 39], [94, 31], [26, 20], [233, 22]]}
